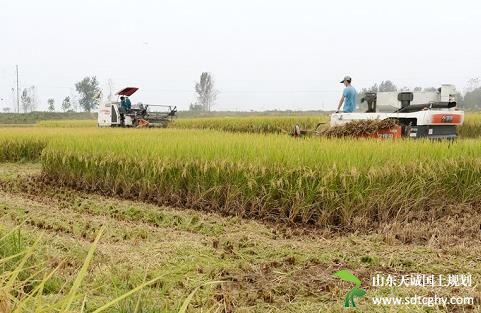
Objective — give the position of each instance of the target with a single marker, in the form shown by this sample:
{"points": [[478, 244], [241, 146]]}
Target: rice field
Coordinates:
{"points": [[260, 219], [472, 125], [284, 124], [252, 124], [243, 265], [67, 123], [312, 181], [258, 124]]}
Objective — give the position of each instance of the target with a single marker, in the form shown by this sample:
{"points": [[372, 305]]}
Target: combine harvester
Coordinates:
{"points": [[111, 114], [393, 115]]}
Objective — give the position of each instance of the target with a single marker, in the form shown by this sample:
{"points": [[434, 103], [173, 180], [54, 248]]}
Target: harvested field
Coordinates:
{"points": [[265, 268], [263, 220]]}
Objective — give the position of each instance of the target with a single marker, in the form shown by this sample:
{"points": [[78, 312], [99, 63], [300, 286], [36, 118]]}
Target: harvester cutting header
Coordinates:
{"points": [[121, 113]]}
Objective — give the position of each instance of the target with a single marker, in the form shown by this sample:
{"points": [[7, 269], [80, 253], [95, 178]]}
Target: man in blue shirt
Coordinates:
{"points": [[349, 96], [128, 104], [125, 103], [122, 103]]}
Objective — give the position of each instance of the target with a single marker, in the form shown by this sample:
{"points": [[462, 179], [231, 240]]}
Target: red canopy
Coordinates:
{"points": [[127, 91]]}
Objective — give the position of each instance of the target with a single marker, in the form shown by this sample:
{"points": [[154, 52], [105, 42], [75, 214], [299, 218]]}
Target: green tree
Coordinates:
{"points": [[387, 86], [206, 94], [196, 107], [90, 93], [26, 100], [66, 104], [373, 88], [459, 100], [473, 84], [472, 99], [51, 105]]}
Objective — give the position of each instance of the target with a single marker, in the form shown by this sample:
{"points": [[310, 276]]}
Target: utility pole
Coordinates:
{"points": [[18, 94], [110, 89], [13, 99]]}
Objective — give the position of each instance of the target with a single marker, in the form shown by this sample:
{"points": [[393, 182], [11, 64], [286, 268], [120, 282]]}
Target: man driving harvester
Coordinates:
{"points": [[349, 96], [125, 106]]}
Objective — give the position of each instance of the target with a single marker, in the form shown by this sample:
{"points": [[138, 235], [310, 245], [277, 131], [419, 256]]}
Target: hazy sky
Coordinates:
{"points": [[264, 54]]}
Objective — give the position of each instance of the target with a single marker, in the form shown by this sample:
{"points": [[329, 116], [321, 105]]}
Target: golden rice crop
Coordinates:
{"points": [[21, 147], [284, 124], [252, 124], [25, 143], [67, 123], [309, 180], [259, 124], [312, 180], [472, 125]]}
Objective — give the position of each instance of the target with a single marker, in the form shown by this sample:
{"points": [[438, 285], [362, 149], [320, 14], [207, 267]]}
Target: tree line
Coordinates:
{"points": [[88, 90], [90, 95]]}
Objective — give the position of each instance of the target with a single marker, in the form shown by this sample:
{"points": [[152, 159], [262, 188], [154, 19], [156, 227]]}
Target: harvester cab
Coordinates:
{"points": [[113, 114], [423, 114]]}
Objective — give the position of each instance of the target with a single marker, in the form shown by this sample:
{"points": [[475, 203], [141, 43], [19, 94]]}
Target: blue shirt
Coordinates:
{"points": [[128, 104], [350, 95]]}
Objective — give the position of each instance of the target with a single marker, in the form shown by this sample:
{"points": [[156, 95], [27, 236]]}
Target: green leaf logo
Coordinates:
{"points": [[357, 291]]}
